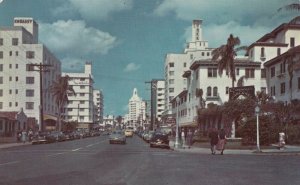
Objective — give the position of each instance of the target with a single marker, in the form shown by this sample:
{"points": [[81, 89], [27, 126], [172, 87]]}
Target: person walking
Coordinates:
{"points": [[23, 137], [190, 138], [222, 141], [213, 135]]}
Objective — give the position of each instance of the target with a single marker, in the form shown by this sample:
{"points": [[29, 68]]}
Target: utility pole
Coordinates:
{"points": [[41, 69], [153, 88]]}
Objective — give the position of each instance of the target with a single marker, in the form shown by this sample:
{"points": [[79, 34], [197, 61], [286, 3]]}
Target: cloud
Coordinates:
{"points": [[220, 11], [131, 67], [70, 64], [75, 38], [218, 34], [93, 9]]}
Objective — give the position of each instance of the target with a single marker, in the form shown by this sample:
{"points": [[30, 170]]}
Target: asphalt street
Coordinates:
{"points": [[94, 161]]}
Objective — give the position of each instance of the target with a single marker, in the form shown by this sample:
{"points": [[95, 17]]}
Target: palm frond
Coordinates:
{"points": [[290, 7]]}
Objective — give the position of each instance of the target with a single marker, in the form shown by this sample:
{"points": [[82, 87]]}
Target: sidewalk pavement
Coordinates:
{"points": [[288, 150], [10, 145]]}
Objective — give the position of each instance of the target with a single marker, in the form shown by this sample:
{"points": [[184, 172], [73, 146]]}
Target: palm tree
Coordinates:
{"points": [[291, 7], [225, 55], [289, 59], [60, 90]]}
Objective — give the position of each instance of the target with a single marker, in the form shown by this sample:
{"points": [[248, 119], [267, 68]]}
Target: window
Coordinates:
{"points": [[227, 90], [81, 102], [29, 92], [171, 81], [197, 74], [250, 73], [29, 67], [29, 80], [29, 105], [10, 104], [263, 89], [1, 105], [10, 91], [10, 78], [215, 91], [1, 67], [262, 52], [273, 91], [29, 54], [82, 87], [272, 72], [282, 68], [82, 79], [70, 109], [298, 83], [207, 53], [17, 78], [1, 79], [282, 88], [10, 53], [171, 64], [14, 41], [278, 51], [202, 53], [81, 109], [263, 73], [1, 41], [1, 54], [212, 72], [1, 92], [208, 93], [171, 73], [10, 66], [81, 94], [16, 104], [171, 90], [17, 66], [237, 71], [292, 42], [184, 64], [16, 91], [17, 53], [191, 56]]}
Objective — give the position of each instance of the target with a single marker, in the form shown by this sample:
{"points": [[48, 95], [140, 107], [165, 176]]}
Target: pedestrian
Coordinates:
{"points": [[23, 137], [190, 138], [222, 141], [19, 136], [213, 135], [183, 138]]}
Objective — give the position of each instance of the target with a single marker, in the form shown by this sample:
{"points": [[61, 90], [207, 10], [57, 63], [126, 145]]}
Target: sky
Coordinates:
{"points": [[127, 40]]}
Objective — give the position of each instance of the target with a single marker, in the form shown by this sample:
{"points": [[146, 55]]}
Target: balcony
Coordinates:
{"points": [[280, 74], [213, 98]]}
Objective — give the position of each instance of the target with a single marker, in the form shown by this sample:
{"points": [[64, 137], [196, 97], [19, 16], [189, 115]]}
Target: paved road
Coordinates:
{"points": [[93, 161]]}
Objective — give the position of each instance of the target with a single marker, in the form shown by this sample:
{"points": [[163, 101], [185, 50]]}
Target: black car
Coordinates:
{"points": [[159, 139]]}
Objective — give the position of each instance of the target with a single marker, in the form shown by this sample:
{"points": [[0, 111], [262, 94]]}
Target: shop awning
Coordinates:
{"points": [[188, 124], [47, 117]]}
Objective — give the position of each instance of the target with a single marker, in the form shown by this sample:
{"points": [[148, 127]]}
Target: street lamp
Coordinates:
{"points": [[177, 144], [257, 110]]}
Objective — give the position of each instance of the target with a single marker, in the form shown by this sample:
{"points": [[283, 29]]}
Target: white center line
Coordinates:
{"points": [[76, 149], [12, 162], [90, 145]]}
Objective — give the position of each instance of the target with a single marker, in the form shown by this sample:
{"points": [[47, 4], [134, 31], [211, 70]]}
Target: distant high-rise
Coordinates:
{"points": [[137, 110]]}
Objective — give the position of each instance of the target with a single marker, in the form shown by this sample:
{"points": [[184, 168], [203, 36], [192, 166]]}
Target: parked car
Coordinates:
{"points": [[128, 133], [148, 136], [117, 136], [39, 138], [159, 139], [59, 136]]}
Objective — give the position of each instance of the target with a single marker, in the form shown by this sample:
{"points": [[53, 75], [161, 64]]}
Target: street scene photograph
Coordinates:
{"points": [[149, 92]]}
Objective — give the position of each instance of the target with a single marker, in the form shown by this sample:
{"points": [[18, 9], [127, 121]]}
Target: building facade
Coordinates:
{"points": [[80, 107], [21, 57], [98, 110], [137, 111]]}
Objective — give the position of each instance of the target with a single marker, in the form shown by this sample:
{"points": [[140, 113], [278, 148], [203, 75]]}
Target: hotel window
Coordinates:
{"points": [[1, 67], [81, 118], [1, 41], [1, 54], [262, 52], [81, 102], [298, 83], [29, 54], [208, 91], [184, 64], [81, 94], [29, 105], [10, 91], [237, 71], [16, 104], [10, 53], [82, 79], [1, 92], [70, 109], [29, 67], [171, 73], [273, 92], [10, 66], [215, 91], [227, 90], [1, 105], [202, 53], [17, 78], [212, 72], [17, 66], [191, 56], [81, 109], [82, 87], [171, 64], [282, 68], [16, 91], [292, 42], [263, 89], [10, 78], [272, 72], [17, 53], [10, 104], [29, 92], [70, 94], [171, 90], [1, 79], [171, 81], [29, 80], [282, 88], [263, 73], [278, 51], [250, 73], [14, 41], [207, 53], [197, 74]]}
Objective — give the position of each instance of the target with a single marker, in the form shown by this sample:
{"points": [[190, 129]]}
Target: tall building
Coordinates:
{"points": [[80, 107], [98, 110], [157, 106], [20, 84], [177, 64], [137, 111]]}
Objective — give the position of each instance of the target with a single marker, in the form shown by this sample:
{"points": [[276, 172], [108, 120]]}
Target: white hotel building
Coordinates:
{"points": [[20, 87], [81, 105], [137, 111], [98, 102]]}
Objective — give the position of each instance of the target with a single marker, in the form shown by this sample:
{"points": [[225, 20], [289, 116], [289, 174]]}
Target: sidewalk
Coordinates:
{"points": [[289, 150], [9, 145]]}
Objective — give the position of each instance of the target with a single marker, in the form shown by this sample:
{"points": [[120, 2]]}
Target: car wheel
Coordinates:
{"points": [[151, 146]]}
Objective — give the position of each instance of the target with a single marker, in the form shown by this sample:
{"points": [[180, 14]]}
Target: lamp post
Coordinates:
{"points": [[177, 144], [257, 110]]}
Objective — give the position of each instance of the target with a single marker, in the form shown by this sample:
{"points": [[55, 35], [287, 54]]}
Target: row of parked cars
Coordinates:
{"points": [[58, 136], [155, 138]]}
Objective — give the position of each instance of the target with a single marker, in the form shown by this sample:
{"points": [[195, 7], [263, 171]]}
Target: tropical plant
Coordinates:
{"points": [[289, 59], [225, 55], [60, 90], [291, 7]]}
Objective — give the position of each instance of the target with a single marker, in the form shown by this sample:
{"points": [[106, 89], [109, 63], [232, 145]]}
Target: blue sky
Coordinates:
{"points": [[127, 40]]}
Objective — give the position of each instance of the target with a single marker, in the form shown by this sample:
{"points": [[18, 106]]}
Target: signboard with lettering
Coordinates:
{"points": [[246, 91], [26, 21]]}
